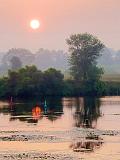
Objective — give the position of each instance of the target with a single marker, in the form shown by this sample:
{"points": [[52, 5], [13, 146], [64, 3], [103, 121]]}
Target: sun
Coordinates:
{"points": [[35, 24]]}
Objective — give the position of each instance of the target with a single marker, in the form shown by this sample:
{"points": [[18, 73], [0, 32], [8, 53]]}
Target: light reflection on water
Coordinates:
{"points": [[64, 114], [74, 112]]}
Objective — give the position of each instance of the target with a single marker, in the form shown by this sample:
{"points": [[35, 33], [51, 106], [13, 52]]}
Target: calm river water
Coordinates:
{"points": [[68, 128]]}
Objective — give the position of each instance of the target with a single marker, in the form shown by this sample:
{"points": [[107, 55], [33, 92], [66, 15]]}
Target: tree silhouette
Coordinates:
{"points": [[15, 63]]}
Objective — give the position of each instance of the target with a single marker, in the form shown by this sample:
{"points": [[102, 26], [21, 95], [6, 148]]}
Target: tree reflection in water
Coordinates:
{"points": [[86, 114], [55, 108], [31, 113], [28, 112]]}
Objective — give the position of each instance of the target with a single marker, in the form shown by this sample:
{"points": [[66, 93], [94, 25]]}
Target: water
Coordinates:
{"points": [[87, 128]]}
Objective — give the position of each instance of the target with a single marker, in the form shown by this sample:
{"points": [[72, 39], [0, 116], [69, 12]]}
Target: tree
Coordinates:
{"points": [[15, 63], [53, 82], [26, 56], [13, 82], [84, 50], [31, 82]]}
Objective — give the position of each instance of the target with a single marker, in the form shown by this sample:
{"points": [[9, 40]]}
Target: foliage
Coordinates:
{"points": [[85, 78], [84, 50], [30, 82], [15, 63], [54, 81], [43, 59]]}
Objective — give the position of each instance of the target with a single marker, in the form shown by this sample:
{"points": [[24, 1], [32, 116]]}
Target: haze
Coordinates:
{"points": [[59, 19]]}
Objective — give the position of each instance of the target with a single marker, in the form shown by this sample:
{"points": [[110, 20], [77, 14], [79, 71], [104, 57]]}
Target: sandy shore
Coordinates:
{"points": [[57, 145]]}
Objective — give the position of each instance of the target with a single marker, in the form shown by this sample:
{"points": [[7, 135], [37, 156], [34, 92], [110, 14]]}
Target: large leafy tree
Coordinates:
{"points": [[84, 50]]}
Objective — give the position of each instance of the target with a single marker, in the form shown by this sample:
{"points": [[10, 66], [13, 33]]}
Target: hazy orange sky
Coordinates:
{"points": [[59, 19]]}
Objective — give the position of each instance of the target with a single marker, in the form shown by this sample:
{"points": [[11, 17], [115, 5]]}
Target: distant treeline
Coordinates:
{"points": [[43, 59], [84, 80]]}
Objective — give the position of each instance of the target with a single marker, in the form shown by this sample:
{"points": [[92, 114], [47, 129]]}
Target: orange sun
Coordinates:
{"points": [[35, 24]]}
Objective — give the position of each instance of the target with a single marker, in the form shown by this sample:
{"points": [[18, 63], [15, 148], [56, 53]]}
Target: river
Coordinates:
{"points": [[67, 128]]}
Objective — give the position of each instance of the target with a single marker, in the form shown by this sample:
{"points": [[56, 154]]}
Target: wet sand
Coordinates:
{"points": [[60, 144]]}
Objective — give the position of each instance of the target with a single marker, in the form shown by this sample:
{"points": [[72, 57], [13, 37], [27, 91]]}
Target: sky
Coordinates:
{"points": [[59, 19]]}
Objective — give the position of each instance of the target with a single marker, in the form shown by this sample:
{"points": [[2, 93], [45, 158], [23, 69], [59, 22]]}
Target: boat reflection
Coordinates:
{"points": [[32, 112], [36, 113]]}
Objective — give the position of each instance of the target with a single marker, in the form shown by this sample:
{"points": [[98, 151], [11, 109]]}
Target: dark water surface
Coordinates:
{"points": [[86, 128]]}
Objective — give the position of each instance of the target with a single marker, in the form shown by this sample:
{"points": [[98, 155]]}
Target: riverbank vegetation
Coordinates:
{"points": [[31, 82], [84, 80]]}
